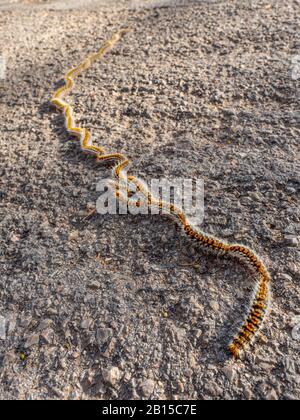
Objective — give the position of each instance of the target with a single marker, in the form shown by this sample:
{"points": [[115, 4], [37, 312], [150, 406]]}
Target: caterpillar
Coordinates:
{"points": [[120, 184]]}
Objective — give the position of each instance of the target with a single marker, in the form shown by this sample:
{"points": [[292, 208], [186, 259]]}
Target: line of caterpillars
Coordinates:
{"points": [[260, 302]]}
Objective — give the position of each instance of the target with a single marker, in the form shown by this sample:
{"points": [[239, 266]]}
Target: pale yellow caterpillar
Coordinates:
{"points": [[259, 305]]}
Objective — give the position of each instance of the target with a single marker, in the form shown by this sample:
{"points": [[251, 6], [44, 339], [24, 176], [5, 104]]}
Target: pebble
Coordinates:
{"points": [[263, 339], [291, 240], [266, 366], [94, 285], [214, 306], [285, 277], [248, 394], [75, 355], [255, 196], [2, 328], [111, 375], [147, 388], [9, 358], [73, 236], [62, 364], [293, 268], [52, 311], [192, 361], [289, 365], [87, 380], [272, 395], [110, 348], [47, 335], [25, 322], [32, 340], [178, 334], [15, 238], [178, 386], [86, 324], [12, 325], [43, 325], [103, 335], [229, 372]]}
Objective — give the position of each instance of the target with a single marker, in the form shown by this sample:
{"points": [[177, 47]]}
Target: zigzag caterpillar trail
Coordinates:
{"points": [[121, 186]]}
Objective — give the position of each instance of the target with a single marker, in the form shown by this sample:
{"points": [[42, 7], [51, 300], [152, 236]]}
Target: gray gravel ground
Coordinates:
{"points": [[105, 308]]}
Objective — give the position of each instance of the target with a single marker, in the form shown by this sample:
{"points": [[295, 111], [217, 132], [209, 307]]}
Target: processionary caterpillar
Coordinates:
{"points": [[259, 304]]}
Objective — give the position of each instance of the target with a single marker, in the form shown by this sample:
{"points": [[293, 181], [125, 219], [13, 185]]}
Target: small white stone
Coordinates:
{"points": [[73, 236], [86, 324], [2, 328], [111, 375], [229, 372]]}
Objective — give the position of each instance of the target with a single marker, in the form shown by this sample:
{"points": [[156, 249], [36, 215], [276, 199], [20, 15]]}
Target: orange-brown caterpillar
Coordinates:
{"points": [[259, 305]]}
